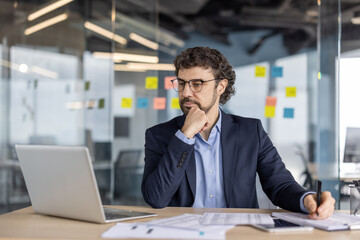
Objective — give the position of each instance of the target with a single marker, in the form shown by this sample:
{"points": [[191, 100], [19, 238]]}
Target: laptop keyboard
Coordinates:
{"points": [[112, 213]]}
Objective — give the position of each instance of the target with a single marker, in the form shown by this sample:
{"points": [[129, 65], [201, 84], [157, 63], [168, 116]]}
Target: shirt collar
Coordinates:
{"points": [[218, 123]]}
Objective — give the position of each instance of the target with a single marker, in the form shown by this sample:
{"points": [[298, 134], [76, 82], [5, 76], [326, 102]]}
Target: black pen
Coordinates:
{"points": [[318, 194]]}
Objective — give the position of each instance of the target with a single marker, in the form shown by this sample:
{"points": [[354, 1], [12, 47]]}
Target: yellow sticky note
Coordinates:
{"points": [[151, 82], [159, 103], [291, 92], [126, 102], [175, 103], [269, 111], [260, 71]]}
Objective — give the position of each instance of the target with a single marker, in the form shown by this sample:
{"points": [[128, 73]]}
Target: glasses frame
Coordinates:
{"points": [[189, 82]]}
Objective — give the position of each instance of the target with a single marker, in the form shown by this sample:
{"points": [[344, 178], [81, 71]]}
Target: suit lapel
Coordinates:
{"points": [[191, 169], [229, 136]]}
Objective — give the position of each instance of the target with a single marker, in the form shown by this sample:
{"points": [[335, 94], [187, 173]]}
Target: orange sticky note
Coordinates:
{"points": [[175, 103], [167, 82], [126, 102], [291, 92], [159, 103], [260, 71], [151, 82], [270, 101], [269, 111]]}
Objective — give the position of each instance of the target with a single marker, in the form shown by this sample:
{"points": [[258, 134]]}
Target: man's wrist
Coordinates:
{"points": [[180, 135]]}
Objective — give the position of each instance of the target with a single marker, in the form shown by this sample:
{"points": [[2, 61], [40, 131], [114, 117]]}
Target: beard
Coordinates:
{"points": [[206, 109]]}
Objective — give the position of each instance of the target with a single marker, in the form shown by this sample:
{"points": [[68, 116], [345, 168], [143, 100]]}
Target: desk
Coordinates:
{"points": [[25, 223]]}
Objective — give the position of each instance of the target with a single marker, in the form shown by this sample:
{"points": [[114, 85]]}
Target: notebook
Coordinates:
{"points": [[61, 182], [337, 221]]}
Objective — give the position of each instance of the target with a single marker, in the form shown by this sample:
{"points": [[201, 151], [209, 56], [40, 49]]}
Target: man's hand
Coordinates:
{"points": [[196, 121], [326, 208]]}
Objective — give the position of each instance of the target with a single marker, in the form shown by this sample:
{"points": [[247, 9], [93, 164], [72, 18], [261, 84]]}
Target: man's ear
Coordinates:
{"points": [[222, 86]]}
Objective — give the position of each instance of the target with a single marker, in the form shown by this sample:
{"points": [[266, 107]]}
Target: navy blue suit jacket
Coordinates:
{"points": [[170, 173]]}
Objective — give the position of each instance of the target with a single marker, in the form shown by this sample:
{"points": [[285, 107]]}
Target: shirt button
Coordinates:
{"points": [[211, 171], [209, 147], [211, 196]]}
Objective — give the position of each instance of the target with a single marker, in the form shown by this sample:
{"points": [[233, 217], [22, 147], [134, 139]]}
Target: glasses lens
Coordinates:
{"points": [[196, 85], [180, 85]]}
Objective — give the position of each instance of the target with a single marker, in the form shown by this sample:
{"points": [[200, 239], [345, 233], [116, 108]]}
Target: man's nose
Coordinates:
{"points": [[187, 91]]}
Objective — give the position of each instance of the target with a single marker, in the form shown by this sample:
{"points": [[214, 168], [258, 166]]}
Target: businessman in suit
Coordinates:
{"points": [[207, 158]]}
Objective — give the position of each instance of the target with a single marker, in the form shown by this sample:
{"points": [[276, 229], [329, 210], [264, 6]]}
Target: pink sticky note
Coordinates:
{"points": [[270, 101], [167, 82], [159, 103]]}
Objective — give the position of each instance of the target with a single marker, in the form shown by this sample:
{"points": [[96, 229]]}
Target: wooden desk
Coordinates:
{"points": [[25, 223]]}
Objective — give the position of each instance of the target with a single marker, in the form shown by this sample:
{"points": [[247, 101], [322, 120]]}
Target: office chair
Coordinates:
{"points": [[128, 176]]}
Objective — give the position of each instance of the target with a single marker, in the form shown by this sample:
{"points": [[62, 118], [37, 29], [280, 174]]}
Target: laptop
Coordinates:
{"points": [[61, 182]]}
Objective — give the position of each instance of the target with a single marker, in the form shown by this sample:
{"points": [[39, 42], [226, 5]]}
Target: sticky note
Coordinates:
{"points": [[288, 112], [167, 82], [90, 104], [87, 86], [260, 71], [142, 103], [276, 71], [126, 102], [159, 103], [271, 101], [175, 103], [101, 103], [151, 82], [269, 111], [290, 91]]}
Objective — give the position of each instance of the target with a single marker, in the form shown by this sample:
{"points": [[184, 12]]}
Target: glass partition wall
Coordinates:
{"points": [[97, 73]]}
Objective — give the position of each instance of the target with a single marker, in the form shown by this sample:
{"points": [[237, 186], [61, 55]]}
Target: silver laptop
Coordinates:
{"points": [[61, 182]]}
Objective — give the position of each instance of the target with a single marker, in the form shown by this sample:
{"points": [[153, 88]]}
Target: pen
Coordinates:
{"points": [[318, 194]]}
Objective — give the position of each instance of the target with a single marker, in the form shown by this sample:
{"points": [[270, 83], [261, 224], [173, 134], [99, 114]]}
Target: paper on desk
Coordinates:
{"points": [[236, 219], [134, 230], [338, 221], [187, 221]]}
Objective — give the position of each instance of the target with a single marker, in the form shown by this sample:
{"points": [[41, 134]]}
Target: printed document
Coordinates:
{"points": [[186, 226], [338, 221], [236, 219]]}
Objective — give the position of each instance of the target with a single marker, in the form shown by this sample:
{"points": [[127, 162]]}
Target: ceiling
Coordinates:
{"points": [[296, 21]]}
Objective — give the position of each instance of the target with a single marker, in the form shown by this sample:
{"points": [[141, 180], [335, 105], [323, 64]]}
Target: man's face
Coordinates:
{"points": [[207, 98]]}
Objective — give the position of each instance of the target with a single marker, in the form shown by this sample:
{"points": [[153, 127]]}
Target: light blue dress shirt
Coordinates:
{"points": [[209, 172]]}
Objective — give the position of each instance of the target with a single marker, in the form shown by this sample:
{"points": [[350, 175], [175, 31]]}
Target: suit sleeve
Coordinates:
{"points": [[165, 164], [277, 182]]}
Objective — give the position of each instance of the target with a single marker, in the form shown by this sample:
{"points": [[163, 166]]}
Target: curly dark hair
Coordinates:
{"points": [[208, 58]]}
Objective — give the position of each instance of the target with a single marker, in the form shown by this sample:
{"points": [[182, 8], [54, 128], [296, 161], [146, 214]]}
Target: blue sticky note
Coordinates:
{"points": [[288, 113], [142, 103], [276, 71]]}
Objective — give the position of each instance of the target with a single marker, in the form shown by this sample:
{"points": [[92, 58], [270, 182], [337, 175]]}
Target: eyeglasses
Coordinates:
{"points": [[194, 84]]}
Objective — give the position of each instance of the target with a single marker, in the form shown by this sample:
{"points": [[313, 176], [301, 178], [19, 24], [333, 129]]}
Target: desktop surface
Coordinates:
{"points": [[26, 224]]}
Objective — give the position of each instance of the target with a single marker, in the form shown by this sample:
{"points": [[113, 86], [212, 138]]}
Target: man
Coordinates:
{"points": [[207, 158]]}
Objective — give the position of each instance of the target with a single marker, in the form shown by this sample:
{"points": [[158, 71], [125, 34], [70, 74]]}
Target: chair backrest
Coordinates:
{"points": [[128, 158]]}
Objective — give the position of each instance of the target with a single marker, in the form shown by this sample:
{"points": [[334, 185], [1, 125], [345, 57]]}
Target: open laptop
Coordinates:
{"points": [[61, 182]]}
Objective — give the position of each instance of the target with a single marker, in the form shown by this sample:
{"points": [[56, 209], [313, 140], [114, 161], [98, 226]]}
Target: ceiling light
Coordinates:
{"points": [[46, 24], [44, 72], [157, 66], [104, 32], [47, 9], [143, 41], [23, 68], [355, 20], [118, 57], [124, 68]]}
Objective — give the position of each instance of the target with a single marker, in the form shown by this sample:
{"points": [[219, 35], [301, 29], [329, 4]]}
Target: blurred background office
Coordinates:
{"points": [[97, 73]]}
